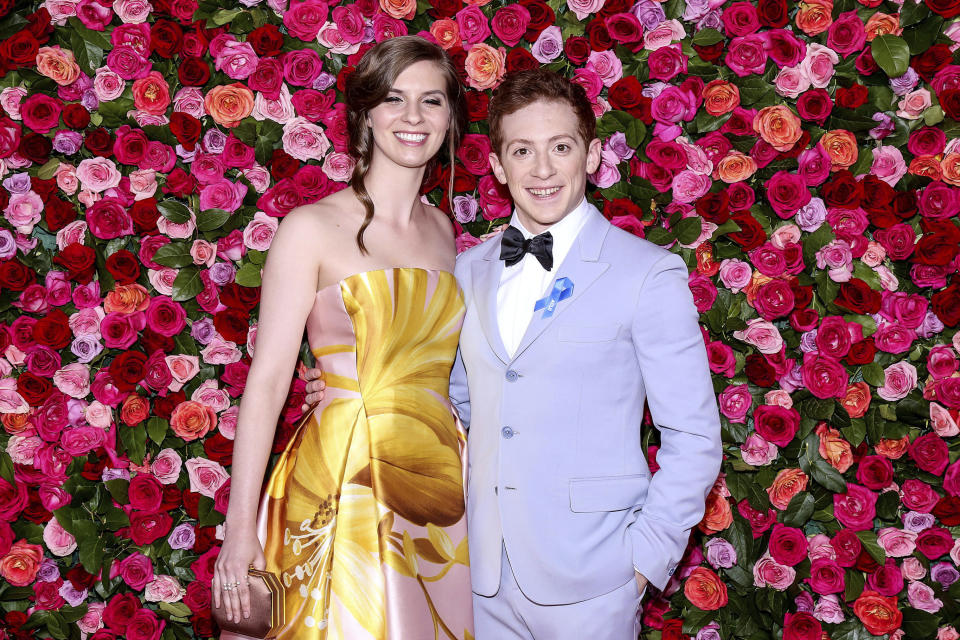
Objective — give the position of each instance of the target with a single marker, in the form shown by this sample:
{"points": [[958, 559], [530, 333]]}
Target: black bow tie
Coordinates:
{"points": [[514, 245]]}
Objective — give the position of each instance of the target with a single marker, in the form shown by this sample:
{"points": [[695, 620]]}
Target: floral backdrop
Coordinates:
{"points": [[804, 158]]}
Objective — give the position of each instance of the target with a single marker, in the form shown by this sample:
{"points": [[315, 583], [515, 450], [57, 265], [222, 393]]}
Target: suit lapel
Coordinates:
{"points": [[581, 266], [486, 282]]}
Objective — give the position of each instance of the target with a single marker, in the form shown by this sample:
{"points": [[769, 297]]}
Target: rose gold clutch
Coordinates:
{"points": [[266, 608]]}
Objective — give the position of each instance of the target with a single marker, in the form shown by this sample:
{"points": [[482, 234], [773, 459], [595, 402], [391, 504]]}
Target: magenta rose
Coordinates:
{"points": [[166, 317], [787, 192], [740, 19], [774, 299], [735, 402], [934, 542], [918, 495], [931, 453], [136, 570], [788, 545], [875, 472], [473, 25], [222, 194], [474, 153], [939, 201], [145, 625], [847, 34], [856, 508], [119, 330], [303, 20], [301, 67], [509, 23], [776, 424], [41, 112], [927, 141], [674, 104], [887, 580], [826, 576], [721, 359], [746, 55], [667, 62], [494, 198], [824, 376]]}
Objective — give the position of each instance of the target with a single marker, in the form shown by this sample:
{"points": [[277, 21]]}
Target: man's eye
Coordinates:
{"points": [[520, 152], [563, 147]]}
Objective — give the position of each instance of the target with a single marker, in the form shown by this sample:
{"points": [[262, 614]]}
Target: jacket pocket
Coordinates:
{"points": [[584, 333], [611, 493]]}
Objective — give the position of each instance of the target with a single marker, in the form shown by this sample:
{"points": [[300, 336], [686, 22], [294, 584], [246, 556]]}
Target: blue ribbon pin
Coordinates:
{"points": [[562, 289]]}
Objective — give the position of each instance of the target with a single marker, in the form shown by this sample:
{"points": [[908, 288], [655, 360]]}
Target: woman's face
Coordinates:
{"points": [[411, 124]]}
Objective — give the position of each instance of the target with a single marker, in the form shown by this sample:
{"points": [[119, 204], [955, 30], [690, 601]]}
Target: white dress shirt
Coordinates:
{"points": [[522, 284]]}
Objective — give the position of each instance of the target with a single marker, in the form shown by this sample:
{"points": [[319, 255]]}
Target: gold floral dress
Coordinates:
{"points": [[364, 512]]}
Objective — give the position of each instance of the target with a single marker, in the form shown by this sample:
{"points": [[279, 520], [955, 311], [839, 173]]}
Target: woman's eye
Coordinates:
{"points": [[435, 102], [393, 99]]}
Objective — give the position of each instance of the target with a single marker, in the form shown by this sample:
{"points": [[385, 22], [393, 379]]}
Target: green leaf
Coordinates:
{"points": [[119, 490], [887, 505], [853, 584], [223, 16], [6, 467], [799, 510], [88, 55], [211, 219], [869, 541], [134, 441], [689, 229], [187, 284], [12, 24], [856, 432], [707, 37], [913, 12], [208, 516], [827, 476], [177, 609], [248, 275], [892, 54], [157, 429], [658, 235], [49, 169], [175, 254], [873, 374], [919, 624], [174, 211], [922, 36], [97, 38]]}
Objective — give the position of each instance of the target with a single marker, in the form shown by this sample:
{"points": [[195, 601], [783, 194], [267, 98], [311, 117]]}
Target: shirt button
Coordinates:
{"points": [[507, 432], [512, 375]]}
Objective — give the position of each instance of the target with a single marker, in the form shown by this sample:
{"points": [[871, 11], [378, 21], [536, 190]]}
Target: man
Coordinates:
{"points": [[571, 325]]}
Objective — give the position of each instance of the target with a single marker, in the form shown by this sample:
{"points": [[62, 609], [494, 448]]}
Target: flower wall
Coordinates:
{"points": [[804, 158]]}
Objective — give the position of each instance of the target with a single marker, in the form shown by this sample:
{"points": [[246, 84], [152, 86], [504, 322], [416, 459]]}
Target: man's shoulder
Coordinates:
{"points": [[477, 252], [623, 248]]}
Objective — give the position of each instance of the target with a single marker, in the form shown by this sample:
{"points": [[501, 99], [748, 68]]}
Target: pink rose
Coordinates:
{"points": [[583, 8], [258, 234], [856, 508], [97, 174], [23, 211], [763, 335], [911, 107], [304, 140], [897, 543], [667, 62], [164, 589], [818, 64], [339, 166], [206, 476], [899, 379], [767, 572], [943, 422], [222, 194], [791, 82], [893, 337], [735, 402], [888, 164], [166, 466], [689, 186], [758, 452], [735, 274], [58, 540], [921, 596]]}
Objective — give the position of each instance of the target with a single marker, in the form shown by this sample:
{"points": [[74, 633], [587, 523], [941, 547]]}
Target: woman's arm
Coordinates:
{"points": [[288, 293]]}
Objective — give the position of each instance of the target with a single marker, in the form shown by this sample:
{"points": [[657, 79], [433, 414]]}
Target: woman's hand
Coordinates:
{"points": [[238, 552], [315, 388]]}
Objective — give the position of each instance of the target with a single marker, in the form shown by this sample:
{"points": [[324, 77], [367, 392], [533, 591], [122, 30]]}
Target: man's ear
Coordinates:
{"points": [[498, 168], [593, 155]]}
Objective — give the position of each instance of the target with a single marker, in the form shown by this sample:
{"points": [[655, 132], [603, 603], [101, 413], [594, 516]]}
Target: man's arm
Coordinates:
{"points": [[673, 363]]}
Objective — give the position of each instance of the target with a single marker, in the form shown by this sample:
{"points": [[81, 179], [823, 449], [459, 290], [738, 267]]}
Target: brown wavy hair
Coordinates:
{"points": [[369, 86]]}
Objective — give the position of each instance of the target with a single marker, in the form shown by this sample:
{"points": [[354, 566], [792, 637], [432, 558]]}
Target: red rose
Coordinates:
{"points": [[776, 424], [99, 142], [947, 510], [541, 17], [117, 613], [934, 59], [875, 472], [842, 191], [147, 527], [814, 105], [905, 204], [128, 369], [219, 449], [186, 128], [163, 408], [35, 147], [939, 244], [206, 538], [58, 213], [520, 59], [80, 579], [857, 296], [673, 630], [714, 207], [123, 266], [751, 234], [197, 597], [179, 183], [145, 625], [626, 94], [232, 324], [145, 492], [879, 614], [759, 371], [191, 502], [444, 8], [283, 165], [202, 567], [950, 102], [202, 623], [240, 297], [853, 96], [193, 72], [773, 13], [267, 40], [577, 49], [20, 49], [847, 546], [710, 53], [76, 116], [934, 542], [948, 9], [53, 330], [15, 276], [166, 38], [598, 35], [930, 452], [946, 305], [172, 497]]}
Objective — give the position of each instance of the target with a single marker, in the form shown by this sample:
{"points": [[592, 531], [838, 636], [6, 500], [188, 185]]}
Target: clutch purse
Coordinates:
{"points": [[266, 608]]}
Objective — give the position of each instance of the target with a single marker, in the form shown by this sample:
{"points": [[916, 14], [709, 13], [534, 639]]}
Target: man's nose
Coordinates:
{"points": [[543, 166]]}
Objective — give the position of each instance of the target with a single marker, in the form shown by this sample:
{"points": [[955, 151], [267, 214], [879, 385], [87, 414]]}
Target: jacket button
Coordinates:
{"points": [[507, 432], [512, 375]]}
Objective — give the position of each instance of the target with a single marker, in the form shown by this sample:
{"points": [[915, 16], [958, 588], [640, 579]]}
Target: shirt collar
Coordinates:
{"points": [[564, 232]]}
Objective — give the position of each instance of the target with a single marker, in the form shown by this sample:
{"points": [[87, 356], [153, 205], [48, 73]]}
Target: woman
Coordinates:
{"points": [[363, 517]]}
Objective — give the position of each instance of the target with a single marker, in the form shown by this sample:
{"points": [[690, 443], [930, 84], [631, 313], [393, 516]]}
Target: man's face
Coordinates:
{"points": [[544, 162]]}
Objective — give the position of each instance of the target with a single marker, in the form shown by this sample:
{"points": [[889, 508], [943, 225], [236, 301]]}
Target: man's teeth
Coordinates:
{"points": [[412, 137], [545, 192]]}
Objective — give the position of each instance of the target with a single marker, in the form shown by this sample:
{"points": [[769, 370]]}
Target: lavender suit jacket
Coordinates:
{"points": [[557, 472]]}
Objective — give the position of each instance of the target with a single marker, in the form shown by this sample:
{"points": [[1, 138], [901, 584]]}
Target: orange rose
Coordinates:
{"points": [[841, 146], [706, 265], [892, 449], [833, 448], [788, 483], [757, 280], [14, 423], [814, 18], [718, 515], [736, 167], [879, 614], [58, 64], [925, 166], [19, 567], [881, 24], [720, 97], [857, 400], [778, 126], [399, 9], [229, 104], [446, 32], [705, 590], [485, 66], [134, 410], [950, 169], [192, 420], [127, 298]]}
